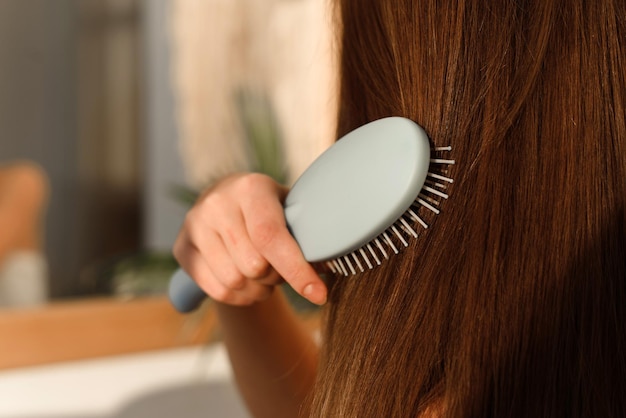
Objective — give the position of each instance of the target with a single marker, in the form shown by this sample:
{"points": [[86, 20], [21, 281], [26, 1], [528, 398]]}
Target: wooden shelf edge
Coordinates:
{"points": [[82, 329]]}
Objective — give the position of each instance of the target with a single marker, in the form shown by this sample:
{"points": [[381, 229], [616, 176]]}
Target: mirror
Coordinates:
{"points": [[73, 102], [125, 106]]}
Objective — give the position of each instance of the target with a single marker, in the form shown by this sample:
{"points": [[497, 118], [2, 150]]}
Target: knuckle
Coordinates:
{"points": [[234, 280], [252, 182], [190, 229], [264, 232], [257, 267], [191, 219], [293, 275], [229, 233], [211, 203], [221, 294]]}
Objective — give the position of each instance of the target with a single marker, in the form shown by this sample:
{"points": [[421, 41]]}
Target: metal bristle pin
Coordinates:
{"points": [[406, 227]]}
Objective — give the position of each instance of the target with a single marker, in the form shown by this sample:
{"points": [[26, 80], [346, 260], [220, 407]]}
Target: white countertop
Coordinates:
{"points": [[187, 382]]}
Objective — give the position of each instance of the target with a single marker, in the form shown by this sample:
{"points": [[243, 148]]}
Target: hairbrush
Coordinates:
{"points": [[358, 202]]}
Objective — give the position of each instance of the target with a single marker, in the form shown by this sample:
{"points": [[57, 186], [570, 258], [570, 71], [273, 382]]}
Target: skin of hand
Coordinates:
{"points": [[235, 243]]}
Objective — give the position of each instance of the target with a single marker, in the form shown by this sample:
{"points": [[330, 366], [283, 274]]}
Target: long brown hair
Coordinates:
{"points": [[512, 303]]}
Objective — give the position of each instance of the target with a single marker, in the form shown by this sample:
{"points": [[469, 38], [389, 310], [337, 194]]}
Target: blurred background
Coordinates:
{"points": [[113, 115], [72, 100], [127, 104]]}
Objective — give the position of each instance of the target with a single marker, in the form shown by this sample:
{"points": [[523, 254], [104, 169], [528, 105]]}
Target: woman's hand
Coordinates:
{"points": [[236, 246]]}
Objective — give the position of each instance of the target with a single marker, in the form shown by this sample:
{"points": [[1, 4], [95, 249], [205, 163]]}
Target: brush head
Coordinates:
{"points": [[358, 188]]}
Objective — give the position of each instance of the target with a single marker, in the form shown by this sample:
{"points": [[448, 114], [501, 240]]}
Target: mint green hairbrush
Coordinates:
{"points": [[358, 202]]}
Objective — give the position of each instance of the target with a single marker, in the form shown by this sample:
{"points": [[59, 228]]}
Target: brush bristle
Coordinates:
{"points": [[408, 226]]}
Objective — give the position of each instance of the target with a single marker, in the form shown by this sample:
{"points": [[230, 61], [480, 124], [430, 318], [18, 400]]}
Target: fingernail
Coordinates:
{"points": [[315, 294]]}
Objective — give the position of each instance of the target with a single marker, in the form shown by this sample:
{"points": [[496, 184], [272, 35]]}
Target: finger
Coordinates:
{"points": [[272, 278], [218, 259], [194, 264], [198, 237], [191, 261], [269, 235], [221, 213], [235, 237]]}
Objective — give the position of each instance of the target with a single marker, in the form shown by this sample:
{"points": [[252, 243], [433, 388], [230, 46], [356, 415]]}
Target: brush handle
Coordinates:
{"points": [[184, 293]]}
